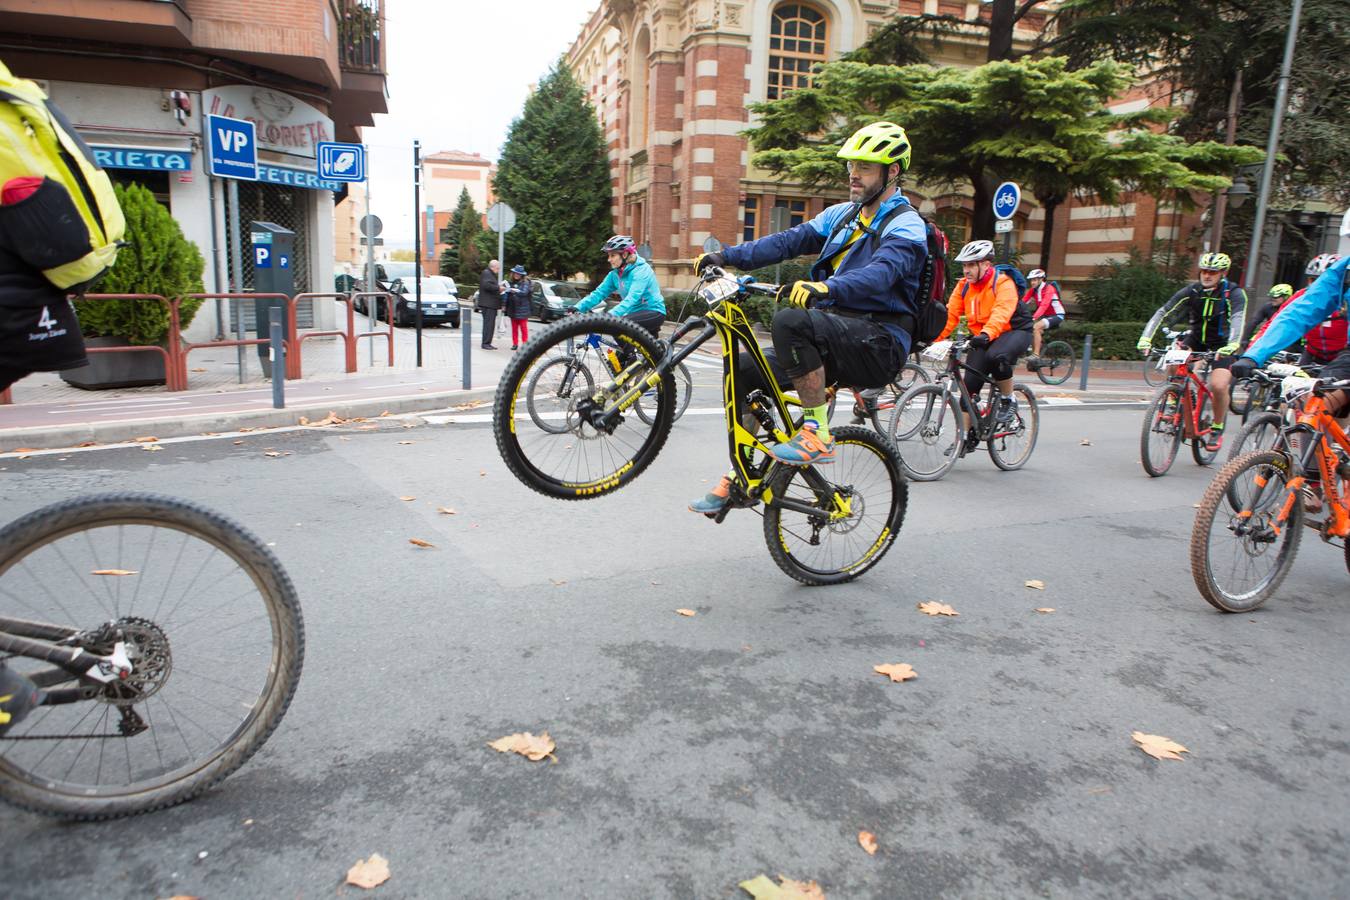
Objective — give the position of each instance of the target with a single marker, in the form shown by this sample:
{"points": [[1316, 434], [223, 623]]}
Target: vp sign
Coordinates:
{"points": [[232, 148], [1006, 200]]}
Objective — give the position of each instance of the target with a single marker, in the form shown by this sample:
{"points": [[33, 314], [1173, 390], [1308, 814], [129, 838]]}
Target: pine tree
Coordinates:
{"points": [[465, 225], [555, 174]]}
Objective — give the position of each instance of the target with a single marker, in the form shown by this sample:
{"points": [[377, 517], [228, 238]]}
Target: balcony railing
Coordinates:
{"points": [[359, 34]]}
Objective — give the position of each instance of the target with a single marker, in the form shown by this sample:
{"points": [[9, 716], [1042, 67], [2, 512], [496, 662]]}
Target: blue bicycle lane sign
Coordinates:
{"points": [[1007, 197]]}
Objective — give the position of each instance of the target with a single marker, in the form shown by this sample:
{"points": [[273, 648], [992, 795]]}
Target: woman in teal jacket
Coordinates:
{"points": [[634, 281]]}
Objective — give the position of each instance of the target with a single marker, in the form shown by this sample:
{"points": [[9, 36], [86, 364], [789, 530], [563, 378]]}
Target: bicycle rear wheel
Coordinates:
{"points": [[1153, 376], [1240, 556], [606, 443], [930, 431], [1010, 447], [1262, 432], [845, 515], [553, 389], [1161, 436], [209, 620], [883, 405], [684, 389], [1057, 362]]}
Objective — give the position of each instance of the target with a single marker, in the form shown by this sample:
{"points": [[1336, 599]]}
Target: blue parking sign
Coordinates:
{"points": [[262, 257], [341, 162], [232, 148]]}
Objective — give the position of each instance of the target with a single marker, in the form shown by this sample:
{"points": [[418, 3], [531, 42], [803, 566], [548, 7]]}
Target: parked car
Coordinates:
{"points": [[550, 300], [386, 273], [440, 301]]}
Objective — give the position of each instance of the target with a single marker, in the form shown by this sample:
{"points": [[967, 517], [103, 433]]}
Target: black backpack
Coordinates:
{"points": [[931, 298]]}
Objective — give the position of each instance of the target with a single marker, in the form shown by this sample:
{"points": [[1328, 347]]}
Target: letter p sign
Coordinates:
{"points": [[262, 257]]}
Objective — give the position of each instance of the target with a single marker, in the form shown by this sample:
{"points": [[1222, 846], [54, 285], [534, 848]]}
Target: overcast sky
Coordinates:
{"points": [[458, 74]]}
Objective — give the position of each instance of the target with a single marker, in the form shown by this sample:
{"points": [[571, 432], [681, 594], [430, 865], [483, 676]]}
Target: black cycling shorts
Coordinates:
{"points": [[1051, 322], [856, 353], [42, 338]]}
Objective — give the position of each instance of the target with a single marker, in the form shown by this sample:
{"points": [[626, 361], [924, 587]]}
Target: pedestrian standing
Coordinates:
{"points": [[516, 299], [490, 300]]}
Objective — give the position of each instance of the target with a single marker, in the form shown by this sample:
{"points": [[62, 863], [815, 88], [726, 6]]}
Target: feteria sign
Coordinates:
{"points": [[285, 124]]}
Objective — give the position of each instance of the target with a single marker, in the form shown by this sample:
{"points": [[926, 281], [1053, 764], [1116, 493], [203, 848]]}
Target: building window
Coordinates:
{"points": [[955, 223], [796, 211], [751, 229], [796, 44]]}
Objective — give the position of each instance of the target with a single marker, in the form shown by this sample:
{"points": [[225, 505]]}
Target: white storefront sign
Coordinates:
{"points": [[285, 124]]}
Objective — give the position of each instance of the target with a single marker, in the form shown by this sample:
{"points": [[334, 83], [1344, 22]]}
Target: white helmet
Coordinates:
{"points": [[1036, 273], [975, 251], [1320, 263]]}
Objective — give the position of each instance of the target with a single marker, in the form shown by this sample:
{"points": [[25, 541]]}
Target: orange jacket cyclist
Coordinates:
{"points": [[1001, 329]]}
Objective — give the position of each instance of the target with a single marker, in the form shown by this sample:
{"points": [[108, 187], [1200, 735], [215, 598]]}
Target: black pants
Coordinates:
{"points": [[854, 352], [648, 319], [995, 360], [43, 336], [489, 322]]}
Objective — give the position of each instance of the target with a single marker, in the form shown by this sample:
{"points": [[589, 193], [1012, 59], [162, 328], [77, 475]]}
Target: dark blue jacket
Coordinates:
{"points": [[516, 298], [884, 279]]}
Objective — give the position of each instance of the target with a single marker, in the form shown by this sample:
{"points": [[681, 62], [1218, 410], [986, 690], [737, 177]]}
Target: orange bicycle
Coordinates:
{"points": [[1250, 520], [1179, 411]]}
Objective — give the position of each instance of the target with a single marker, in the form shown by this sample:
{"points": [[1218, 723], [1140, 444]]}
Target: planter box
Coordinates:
{"points": [[133, 368]]}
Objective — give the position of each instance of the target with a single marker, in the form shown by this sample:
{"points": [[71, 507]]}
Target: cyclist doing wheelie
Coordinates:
{"points": [[1000, 327], [1328, 295], [1215, 309], [852, 323], [634, 281], [1048, 312]]}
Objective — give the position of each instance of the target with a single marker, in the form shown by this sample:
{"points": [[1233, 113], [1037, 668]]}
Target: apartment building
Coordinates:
{"points": [[444, 176], [138, 77]]}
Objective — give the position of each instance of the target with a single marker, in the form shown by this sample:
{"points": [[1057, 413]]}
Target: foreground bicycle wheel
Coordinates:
{"points": [[605, 443], [929, 431], [553, 389], [1010, 448], [1057, 362], [1262, 432], [1240, 556], [1162, 431], [857, 506], [209, 620]]}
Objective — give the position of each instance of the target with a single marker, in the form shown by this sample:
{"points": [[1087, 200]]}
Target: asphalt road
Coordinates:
{"points": [[694, 753]]}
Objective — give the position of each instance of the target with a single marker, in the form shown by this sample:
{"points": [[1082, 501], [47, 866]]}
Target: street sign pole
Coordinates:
{"points": [[417, 241], [1007, 197], [501, 219], [236, 271], [370, 279]]}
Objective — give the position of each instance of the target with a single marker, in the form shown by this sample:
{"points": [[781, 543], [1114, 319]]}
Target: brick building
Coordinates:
{"points": [[444, 176], [671, 80], [137, 78]]}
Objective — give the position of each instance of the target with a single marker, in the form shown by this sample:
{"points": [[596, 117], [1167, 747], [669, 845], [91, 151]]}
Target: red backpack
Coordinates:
{"points": [[1328, 339]]}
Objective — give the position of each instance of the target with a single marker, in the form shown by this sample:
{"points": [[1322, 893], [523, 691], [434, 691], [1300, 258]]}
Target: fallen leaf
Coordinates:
{"points": [[25, 450], [248, 821], [445, 510], [151, 447], [1036, 584], [868, 841], [384, 414], [933, 608], [274, 453], [761, 888], [405, 442], [406, 499], [1085, 443], [147, 439], [23, 456], [370, 427], [185, 897], [304, 420], [482, 473], [199, 370], [1045, 609], [686, 612], [237, 443], [897, 671], [369, 873], [87, 444], [418, 542], [1157, 746], [556, 581], [531, 746], [472, 404], [114, 572]]}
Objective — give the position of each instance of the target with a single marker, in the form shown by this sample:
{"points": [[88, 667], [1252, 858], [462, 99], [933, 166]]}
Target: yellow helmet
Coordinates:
{"points": [[1215, 262], [880, 142], [1281, 291]]}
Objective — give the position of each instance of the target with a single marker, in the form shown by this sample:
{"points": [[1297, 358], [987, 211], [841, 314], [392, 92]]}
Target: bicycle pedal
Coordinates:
{"points": [[720, 515]]}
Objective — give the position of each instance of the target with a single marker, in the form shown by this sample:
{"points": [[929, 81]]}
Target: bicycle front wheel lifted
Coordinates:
{"points": [[829, 524], [208, 620], [605, 442]]}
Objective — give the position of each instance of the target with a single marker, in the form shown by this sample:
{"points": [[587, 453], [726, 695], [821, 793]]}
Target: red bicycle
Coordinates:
{"points": [[1180, 411]]}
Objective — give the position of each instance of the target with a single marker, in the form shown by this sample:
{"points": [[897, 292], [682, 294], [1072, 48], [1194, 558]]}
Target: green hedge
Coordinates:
{"points": [[1110, 340]]}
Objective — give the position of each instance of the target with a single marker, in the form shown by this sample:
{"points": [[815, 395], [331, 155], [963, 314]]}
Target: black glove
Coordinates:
{"points": [[704, 260], [802, 294], [1243, 367], [979, 341]]}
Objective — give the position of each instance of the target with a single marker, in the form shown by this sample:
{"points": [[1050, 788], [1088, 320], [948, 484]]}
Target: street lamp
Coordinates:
{"points": [[1238, 192]]}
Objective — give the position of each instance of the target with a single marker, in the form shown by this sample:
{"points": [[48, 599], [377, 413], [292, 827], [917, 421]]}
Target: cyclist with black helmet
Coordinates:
{"points": [[852, 324], [1215, 309], [634, 281]]}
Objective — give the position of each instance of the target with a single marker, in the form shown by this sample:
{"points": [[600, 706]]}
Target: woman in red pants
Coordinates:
{"points": [[516, 298]]}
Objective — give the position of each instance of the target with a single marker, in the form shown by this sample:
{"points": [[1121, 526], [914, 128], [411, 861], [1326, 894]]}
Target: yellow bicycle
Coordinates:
{"points": [[822, 525]]}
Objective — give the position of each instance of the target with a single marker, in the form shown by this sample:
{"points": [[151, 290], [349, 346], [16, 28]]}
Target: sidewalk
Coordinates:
{"points": [[48, 413]]}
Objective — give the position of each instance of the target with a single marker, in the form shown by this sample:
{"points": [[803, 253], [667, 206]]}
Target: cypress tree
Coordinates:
{"points": [[555, 174]]}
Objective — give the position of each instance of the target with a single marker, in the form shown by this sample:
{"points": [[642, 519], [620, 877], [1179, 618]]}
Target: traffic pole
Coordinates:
{"points": [[417, 241]]}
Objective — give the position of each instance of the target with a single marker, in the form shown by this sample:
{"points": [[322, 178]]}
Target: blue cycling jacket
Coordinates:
{"points": [[1327, 294], [880, 278], [636, 286]]}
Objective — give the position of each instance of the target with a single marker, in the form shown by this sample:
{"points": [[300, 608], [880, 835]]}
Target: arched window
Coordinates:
{"points": [[797, 42], [955, 223]]}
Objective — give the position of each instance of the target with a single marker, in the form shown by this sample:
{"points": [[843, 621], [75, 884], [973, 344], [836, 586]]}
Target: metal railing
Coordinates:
{"points": [[360, 31]]}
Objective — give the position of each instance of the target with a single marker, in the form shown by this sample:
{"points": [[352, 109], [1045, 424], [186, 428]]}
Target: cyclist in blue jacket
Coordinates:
{"points": [[634, 281], [852, 324]]}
